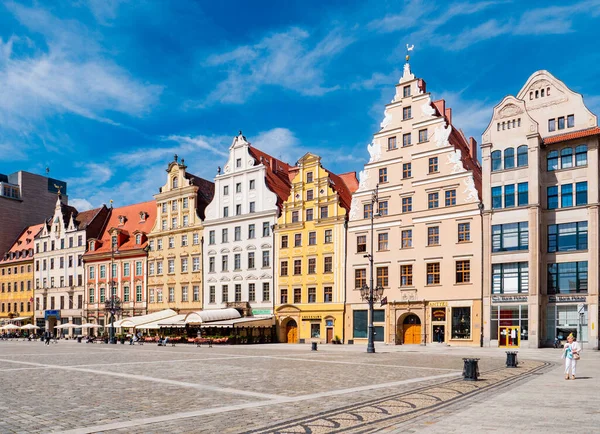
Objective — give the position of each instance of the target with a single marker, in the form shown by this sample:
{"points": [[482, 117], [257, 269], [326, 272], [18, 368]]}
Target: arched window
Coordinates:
{"points": [[522, 156], [509, 158], [548, 92], [175, 182], [581, 155], [496, 161], [566, 158], [138, 239], [552, 160], [542, 93]]}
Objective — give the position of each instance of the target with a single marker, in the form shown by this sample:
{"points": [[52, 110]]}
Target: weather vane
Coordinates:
{"points": [[58, 187], [409, 48]]}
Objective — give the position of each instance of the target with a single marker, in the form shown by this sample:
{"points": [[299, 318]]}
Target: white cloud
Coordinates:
{"points": [[80, 204], [280, 143], [290, 60], [377, 80], [104, 10], [471, 116]]}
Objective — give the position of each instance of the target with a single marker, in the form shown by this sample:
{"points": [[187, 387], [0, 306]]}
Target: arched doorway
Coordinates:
{"points": [[411, 329], [291, 332]]}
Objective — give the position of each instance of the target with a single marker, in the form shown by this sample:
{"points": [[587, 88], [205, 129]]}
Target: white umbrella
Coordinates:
{"points": [[89, 326], [68, 325], [10, 327], [29, 327]]}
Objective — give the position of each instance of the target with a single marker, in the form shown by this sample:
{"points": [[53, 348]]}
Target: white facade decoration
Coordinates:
{"points": [[427, 109], [470, 190], [374, 149], [441, 135], [455, 159]]}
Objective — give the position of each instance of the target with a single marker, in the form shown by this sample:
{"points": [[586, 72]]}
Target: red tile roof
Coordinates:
{"points": [[132, 225], [572, 135], [277, 174], [22, 248], [344, 184]]}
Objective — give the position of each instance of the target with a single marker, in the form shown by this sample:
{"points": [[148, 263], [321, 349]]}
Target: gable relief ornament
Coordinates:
{"points": [[509, 110]]}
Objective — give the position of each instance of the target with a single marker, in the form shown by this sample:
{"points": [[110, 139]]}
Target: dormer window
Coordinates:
{"points": [[138, 239], [92, 246], [114, 241], [175, 182], [122, 220], [142, 216]]}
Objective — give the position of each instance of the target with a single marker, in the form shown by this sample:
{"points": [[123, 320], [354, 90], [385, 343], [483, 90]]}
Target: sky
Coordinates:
{"points": [[105, 92]]}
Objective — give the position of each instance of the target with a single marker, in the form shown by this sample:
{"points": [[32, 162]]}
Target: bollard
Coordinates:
{"points": [[471, 369], [314, 346], [511, 359]]}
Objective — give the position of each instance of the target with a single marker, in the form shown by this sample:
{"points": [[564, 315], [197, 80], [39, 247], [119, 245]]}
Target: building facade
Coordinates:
{"points": [[175, 242], [540, 166], [59, 272], [16, 277], [423, 182], [238, 229], [25, 199], [116, 263], [310, 241]]}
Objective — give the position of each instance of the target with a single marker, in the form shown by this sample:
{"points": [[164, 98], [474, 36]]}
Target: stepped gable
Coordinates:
{"points": [[22, 248], [277, 174]]}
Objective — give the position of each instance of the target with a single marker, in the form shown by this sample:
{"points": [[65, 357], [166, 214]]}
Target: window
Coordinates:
{"points": [[92, 273], [184, 240], [252, 184], [195, 239], [224, 235], [312, 238], [294, 216], [522, 156], [284, 268], [581, 155], [328, 236], [570, 121], [309, 177], [566, 158], [360, 278], [406, 276], [91, 296], [406, 139], [237, 233], [309, 214], [226, 211], [450, 198], [406, 204], [581, 197], [238, 187], [509, 158], [406, 237], [551, 125], [568, 236], [297, 240], [238, 162], [433, 200], [312, 295], [324, 212], [151, 268], [171, 242], [171, 294], [252, 207], [383, 175], [433, 273], [360, 323], [406, 113], [422, 136], [312, 266], [463, 271], [184, 293], [328, 264], [382, 208], [496, 161], [310, 195], [552, 161], [266, 259], [406, 91], [266, 229], [284, 296], [406, 170], [561, 123], [509, 196], [461, 323], [251, 231], [251, 260], [327, 294], [382, 276], [171, 264], [173, 222], [224, 263], [510, 236], [224, 294], [164, 207], [568, 278], [174, 205], [367, 210], [225, 190], [510, 278], [523, 193], [185, 204], [433, 164], [211, 237], [566, 195], [211, 264], [238, 209], [391, 143], [159, 267], [212, 291], [266, 292], [552, 197], [464, 232], [238, 292], [175, 182], [361, 243], [433, 236], [284, 241], [297, 267], [126, 269], [237, 261], [382, 241], [297, 295], [251, 292]]}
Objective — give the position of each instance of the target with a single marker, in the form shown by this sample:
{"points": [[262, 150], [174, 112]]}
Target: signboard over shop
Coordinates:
{"points": [[567, 298], [509, 299]]}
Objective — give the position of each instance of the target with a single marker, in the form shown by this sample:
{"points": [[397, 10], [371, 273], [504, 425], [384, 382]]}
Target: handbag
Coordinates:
{"points": [[576, 356]]}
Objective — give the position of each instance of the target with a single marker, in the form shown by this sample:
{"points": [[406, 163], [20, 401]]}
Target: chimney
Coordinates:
{"points": [[449, 115], [473, 148], [440, 105], [422, 85]]}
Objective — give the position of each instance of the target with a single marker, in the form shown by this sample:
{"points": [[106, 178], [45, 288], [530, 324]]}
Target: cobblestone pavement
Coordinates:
{"points": [[82, 388]]}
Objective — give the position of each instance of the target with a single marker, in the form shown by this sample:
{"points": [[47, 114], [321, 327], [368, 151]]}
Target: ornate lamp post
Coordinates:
{"points": [[113, 307], [370, 293]]}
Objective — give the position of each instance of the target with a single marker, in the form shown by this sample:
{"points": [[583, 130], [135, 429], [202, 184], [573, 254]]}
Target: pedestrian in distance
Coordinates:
{"points": [[47, 337], [571, 354]]}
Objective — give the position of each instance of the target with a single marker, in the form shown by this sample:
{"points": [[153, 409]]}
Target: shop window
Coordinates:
{"points": [[565, 320], [509, 316], [315, 330], [461, 323], [359, 324]]}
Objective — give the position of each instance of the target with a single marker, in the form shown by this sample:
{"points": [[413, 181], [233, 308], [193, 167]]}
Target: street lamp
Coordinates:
{"points": [[112, 306], [371, 293]]}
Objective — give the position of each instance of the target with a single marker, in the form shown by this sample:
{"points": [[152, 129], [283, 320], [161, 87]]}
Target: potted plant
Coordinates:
{"points": [[337, 340]]}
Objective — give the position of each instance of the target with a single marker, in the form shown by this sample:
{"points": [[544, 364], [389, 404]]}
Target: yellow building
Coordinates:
{"points": [[310, 237], [175, 242], [16, 278]]}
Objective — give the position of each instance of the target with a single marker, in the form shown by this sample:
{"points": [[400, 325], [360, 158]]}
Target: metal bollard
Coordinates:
{"points": [[511, 359], [471, 369], [314, 346]]}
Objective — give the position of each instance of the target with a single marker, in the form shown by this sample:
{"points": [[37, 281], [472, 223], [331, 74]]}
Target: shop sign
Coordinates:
{"points": [[261, 312], [509, 299], [52, 314], [309, 317], [438, 303], [566, 299], [438, 314]]}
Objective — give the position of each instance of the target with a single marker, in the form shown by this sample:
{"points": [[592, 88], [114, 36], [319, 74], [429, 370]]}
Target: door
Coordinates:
{"points": [[439, 333], [412, 330], [291, 331], [329, 335], [509, 336]]}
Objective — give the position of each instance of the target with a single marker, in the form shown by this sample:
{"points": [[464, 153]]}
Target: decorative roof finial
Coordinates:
{"points": [[218, 170], [111, 202], [175, 157], [409, 48], [58, 187], [240, 133], [182, 161]]}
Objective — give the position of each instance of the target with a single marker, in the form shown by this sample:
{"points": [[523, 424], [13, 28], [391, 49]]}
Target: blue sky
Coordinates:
{"points": [[104, 92]]}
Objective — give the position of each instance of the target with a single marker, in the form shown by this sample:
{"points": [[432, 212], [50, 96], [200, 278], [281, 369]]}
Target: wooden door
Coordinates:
{"points": [[292, 332], [412, 333], [329, 335]]}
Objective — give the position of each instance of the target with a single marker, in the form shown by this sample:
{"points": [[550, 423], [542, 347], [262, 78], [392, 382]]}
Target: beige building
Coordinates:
{"points": [[426, 233], [540, 168], [175, 242]]}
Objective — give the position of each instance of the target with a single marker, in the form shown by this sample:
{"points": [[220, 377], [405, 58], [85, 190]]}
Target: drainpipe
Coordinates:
{"points": [[480, 205]]}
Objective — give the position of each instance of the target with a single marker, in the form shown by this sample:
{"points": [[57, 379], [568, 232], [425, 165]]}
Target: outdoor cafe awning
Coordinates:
{"points": [[140, 321], [173, 321], [242, 322], [21, 318], [203, 316]]}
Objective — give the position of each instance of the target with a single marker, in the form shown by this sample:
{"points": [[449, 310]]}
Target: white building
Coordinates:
{"points": [[59, 270], [238, 230]]}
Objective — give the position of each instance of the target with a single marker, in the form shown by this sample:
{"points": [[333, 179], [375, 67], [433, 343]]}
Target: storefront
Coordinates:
{"points": [[297, 325], [566, 315], [509, 321]]}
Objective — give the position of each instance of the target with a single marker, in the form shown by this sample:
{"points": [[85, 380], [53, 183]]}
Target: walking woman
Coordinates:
{"points": [[571, 355]]}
